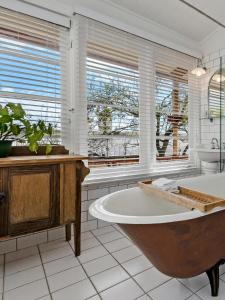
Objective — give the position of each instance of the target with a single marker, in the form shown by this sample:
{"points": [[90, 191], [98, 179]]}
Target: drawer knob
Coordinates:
{"points": [[2, 198]]}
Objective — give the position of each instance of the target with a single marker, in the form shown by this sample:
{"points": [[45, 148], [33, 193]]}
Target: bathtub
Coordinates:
{"points": [[178, 242]]}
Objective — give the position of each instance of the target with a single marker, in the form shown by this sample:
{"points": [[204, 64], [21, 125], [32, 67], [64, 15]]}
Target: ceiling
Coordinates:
{"points": [[177, 16], [168, 22]]}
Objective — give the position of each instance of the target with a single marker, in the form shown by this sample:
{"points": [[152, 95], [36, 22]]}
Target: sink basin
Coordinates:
{"points": [[209, 155]]}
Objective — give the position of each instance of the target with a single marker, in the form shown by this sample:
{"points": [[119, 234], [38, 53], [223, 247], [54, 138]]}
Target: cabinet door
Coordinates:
{"points": [[33, 198]]}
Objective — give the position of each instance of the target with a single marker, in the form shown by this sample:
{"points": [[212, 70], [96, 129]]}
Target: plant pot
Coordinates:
{"points": [[5, 148], [24, 150]]}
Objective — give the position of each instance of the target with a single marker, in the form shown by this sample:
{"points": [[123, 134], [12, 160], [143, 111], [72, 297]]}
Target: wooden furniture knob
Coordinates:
{"points": [[2, 198]]}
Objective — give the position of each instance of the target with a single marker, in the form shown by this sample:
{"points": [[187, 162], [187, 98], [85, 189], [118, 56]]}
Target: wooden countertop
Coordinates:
{"points": [[39, 159]]}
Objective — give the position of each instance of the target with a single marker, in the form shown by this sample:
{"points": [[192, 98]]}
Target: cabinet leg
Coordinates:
{"points": [[77, 234], [68, 232], [213, 275]]}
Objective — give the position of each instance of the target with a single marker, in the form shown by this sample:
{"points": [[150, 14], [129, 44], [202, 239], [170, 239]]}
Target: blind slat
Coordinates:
{"points": [[33, 59]]}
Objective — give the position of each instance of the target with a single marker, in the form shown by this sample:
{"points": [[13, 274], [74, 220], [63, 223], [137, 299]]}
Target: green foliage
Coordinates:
{"points": [[15, 125]]}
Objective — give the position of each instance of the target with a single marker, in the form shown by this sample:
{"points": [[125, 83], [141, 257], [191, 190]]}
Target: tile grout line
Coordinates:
{"points": [[120, 238], [100, 271], [23, 269], [192, 292], [25, 285], [132, 277], [123, 268], [116, 285], [46, 279], [194, 295], [74, 283], [155, 286], [84, 272], [102, 233], [89, 277], [70, 268], [49, 261]]}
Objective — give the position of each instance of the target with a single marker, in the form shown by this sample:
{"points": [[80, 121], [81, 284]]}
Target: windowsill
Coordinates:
{"points": [[95, 179]]}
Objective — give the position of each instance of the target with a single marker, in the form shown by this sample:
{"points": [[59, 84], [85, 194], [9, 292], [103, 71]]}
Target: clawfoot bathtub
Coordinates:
{"points": [[178, 242]]}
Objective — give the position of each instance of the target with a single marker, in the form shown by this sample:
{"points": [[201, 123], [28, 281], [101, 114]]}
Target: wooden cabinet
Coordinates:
{"points": [[41, 192]]}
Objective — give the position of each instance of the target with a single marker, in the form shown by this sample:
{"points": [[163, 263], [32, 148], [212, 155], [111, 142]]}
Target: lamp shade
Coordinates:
{"points": [[199, 71]]}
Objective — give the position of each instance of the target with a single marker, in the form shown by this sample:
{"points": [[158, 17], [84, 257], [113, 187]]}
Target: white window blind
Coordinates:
{"points": [[33, 66], [171, 96], [177, 108], [113, 110], [142, 102]]}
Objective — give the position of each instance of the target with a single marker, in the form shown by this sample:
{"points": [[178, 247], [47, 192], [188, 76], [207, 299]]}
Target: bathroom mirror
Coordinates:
{"points": [[216, 92]]}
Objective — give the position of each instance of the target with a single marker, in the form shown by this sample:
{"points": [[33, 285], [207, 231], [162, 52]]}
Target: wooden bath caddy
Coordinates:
{"points": [[188, 198]]}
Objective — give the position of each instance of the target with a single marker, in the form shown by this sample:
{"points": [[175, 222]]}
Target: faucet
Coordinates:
{"points": [[215, 143]]}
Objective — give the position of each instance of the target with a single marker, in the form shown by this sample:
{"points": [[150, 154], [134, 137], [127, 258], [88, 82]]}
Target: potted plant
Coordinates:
{"points": [[15, 126]]}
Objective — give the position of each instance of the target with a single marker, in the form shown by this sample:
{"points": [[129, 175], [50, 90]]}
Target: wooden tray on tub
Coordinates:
{"points": [[188, 198]]}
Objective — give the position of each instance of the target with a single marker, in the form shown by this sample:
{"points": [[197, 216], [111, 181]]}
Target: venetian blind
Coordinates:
{"points": [[33, 66], [117, 111], [134, 90], [177, 107]]}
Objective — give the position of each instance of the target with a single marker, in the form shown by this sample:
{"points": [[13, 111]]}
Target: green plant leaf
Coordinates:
{"points": [[17, 110], [4, 111], [48, 149], [15, 129], [33, 147]]}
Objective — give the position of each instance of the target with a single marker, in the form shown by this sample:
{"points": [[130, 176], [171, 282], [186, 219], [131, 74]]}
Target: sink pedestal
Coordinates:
{"points": [[210, 167]]}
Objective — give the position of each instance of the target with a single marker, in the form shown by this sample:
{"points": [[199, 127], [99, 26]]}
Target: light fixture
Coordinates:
{"points": [[219, 77], [200, 70]]}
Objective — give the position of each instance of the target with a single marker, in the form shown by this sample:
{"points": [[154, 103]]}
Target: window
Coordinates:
{"points": [[134, 106], [33, 59], [171, 97], [139, 100], [113, 112], [216, 104]]}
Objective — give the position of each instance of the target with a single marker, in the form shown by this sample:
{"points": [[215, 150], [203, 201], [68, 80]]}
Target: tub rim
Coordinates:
{"points": [[97, 210]]}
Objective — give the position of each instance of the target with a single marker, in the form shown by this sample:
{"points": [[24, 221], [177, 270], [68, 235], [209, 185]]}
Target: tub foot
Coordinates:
{"points": [[213, 275]]}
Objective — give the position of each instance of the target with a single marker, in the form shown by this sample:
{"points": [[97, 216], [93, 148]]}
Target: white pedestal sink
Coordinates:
{"points": [[210, 158]]}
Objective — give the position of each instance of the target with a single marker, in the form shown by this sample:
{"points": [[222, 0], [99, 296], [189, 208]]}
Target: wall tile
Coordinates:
{"points": [[31, 240], [84, 195], [7, 246], [95, 194], [56, 233]]}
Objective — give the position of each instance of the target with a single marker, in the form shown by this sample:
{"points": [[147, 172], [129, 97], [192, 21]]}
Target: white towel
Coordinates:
{"points": [[165, 184]]}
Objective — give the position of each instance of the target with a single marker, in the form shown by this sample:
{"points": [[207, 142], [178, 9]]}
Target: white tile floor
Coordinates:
{"points": [[109, 268]]}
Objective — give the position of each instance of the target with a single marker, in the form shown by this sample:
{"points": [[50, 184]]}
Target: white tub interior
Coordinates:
{"points": [[209, 184], [133, 202]]}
